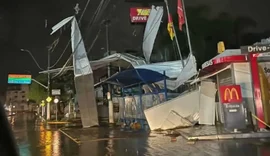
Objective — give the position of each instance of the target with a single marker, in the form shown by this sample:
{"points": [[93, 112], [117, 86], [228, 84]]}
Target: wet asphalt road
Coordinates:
{"points": [[37, 139]]}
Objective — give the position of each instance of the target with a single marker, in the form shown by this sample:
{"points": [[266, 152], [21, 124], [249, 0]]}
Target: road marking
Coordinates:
{"points": [[70, 137]]}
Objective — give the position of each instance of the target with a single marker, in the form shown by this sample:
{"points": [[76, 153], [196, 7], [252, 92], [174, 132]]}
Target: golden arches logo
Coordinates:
{"points": [[230, 92], [143, 12]]}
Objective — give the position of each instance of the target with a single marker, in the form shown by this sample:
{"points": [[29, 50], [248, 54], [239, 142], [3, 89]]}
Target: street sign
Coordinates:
{"points": [[42, 103], [56, 91], [56, 101], [49, 99], [262, 48], [139, 15]]}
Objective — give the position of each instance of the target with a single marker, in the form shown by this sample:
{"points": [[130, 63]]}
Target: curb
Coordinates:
{"points": [[257, 135]]}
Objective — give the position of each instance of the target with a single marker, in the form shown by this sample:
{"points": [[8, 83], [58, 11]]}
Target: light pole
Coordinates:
{"points": [[109, 93], [108, 52], [29, 52], [49, 77], [49, 85]]}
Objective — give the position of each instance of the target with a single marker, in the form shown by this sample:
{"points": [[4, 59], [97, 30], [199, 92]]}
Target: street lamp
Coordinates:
{"points": [[29, 52], [48, 66], [49, 77]]}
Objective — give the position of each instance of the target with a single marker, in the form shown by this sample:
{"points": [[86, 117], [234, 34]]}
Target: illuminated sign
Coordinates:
{"points": [[256, 48], [225, 59], [139, 15], [19, 79], [207, 63], [230, 94]]}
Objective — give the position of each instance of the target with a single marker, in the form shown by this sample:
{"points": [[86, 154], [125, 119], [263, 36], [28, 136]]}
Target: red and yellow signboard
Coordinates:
{"points": [[19, 79], [18, 76], [230, 94], [139, 15]]}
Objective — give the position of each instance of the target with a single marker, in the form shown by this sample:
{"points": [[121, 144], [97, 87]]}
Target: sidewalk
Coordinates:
{"points": [[67, 122], [218, 133]]}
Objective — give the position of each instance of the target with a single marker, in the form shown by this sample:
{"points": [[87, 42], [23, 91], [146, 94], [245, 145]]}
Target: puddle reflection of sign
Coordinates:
{"points": [[139, 15], [230, 94]]}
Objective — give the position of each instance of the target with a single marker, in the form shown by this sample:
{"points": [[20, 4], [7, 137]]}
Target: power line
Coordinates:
{"points": [[69, 59], [95, 17], [33, 58], [88, 1], [60, 57], [92, 45], [105, 5], [70, 39]]}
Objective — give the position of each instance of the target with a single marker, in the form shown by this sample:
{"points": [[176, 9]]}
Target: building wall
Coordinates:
{"points": [[17, 97], [243, 78]]}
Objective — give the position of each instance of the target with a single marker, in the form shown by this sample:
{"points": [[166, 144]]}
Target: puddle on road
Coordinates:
{"points": [[37, 139]]}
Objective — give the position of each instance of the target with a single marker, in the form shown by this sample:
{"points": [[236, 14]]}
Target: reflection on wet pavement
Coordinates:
{"points": [[36, 139]]}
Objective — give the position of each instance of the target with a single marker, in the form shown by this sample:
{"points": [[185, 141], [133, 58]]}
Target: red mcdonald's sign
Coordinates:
{"points": [[230, 94], [139, 15]]}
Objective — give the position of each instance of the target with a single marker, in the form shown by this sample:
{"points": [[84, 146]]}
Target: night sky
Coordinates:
{"points": [[22, 25]]}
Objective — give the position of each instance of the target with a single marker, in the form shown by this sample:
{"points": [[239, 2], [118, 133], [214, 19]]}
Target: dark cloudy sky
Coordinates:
{"points": [[22, 25]]}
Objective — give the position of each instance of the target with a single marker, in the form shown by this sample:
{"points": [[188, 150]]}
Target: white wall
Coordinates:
{"points": [[243, 78]]}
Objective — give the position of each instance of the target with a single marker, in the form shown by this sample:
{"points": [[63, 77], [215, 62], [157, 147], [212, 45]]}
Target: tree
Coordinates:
{"points": [[65, 83], [37, 92]]}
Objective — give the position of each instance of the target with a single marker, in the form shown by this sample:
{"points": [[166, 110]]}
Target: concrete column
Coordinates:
{"points": [[111, 117], [42, 111]]}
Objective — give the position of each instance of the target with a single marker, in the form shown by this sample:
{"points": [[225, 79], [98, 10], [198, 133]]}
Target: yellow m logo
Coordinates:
{"points": [[230, 92]]}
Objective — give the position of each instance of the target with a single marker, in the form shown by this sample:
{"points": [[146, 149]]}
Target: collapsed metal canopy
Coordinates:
{"points": [[122, 60], [133, 77]]}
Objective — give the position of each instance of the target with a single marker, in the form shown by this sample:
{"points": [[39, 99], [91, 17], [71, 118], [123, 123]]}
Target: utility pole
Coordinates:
{"points": [[109, 94], [49, 85], [107, 23]]}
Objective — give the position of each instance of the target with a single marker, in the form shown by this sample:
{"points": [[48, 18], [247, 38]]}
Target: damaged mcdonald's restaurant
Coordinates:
{"points": [[242, 88]]}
